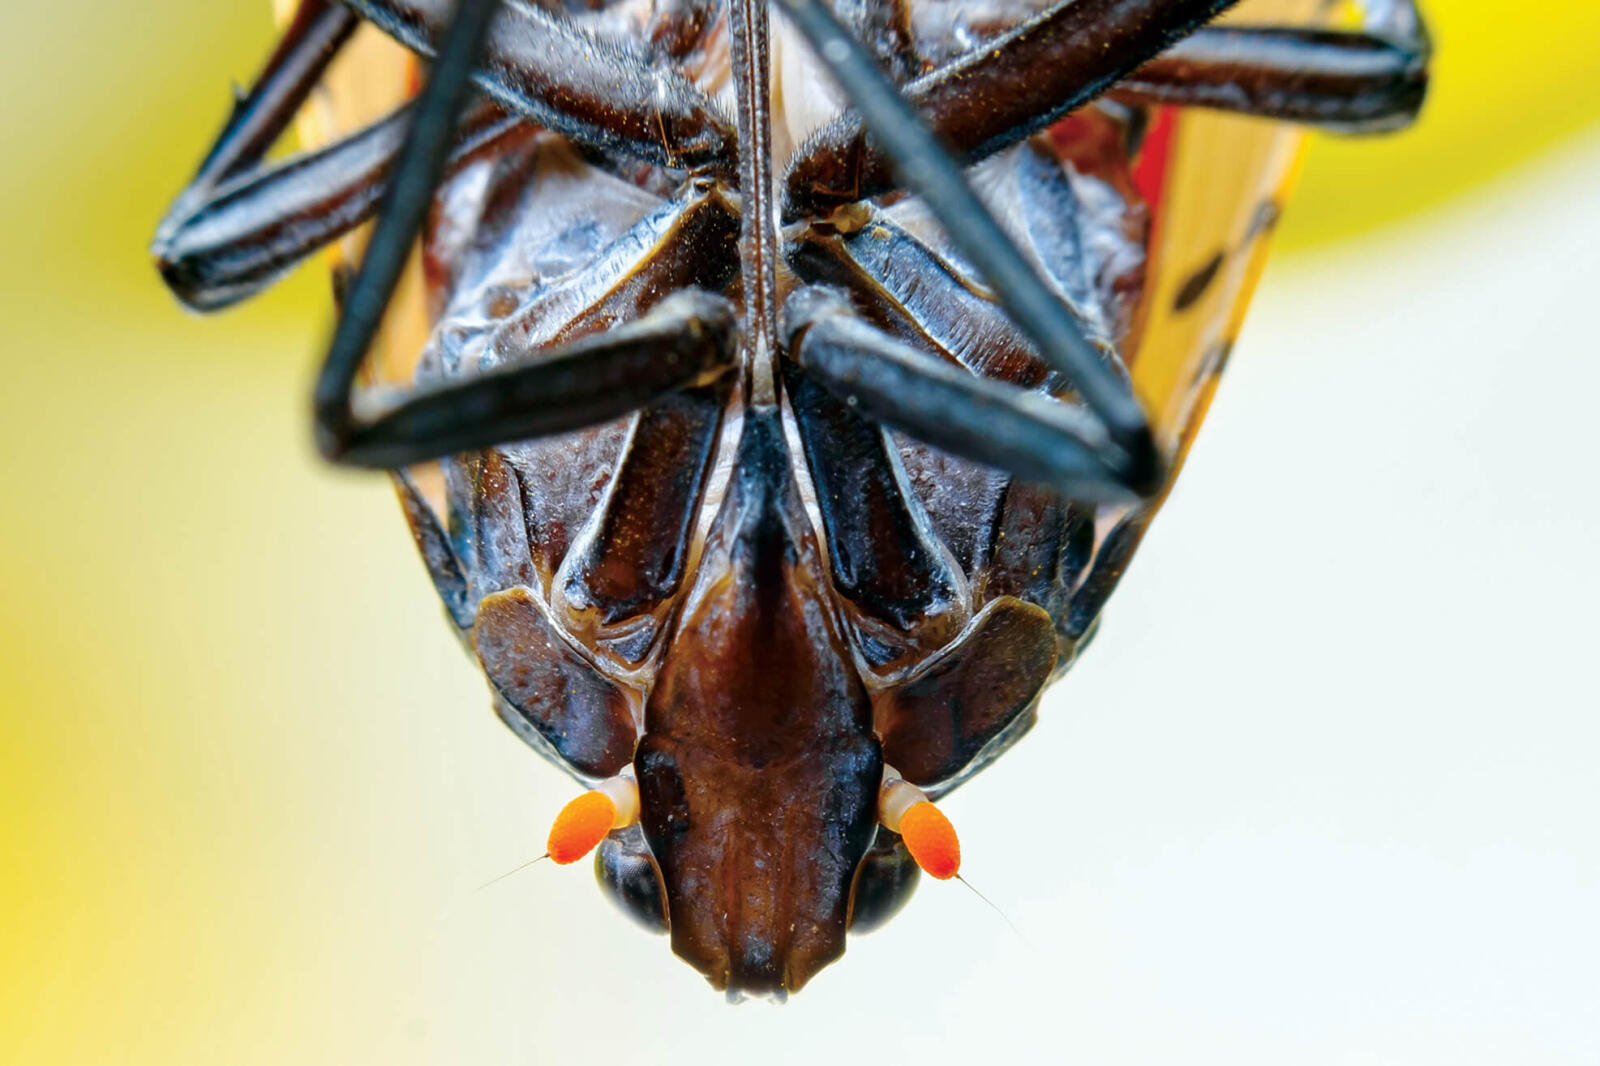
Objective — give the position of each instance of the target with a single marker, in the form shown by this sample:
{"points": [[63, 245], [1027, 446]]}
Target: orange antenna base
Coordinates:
{"points": [[580, 826], [931, 839]]}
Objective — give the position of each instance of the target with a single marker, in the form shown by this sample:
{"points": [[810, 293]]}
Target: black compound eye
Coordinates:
{"points": [[884, 882], [628, 876]]}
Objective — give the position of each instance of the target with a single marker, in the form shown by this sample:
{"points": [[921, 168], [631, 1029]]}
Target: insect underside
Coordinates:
{"points": [[759, 464]]}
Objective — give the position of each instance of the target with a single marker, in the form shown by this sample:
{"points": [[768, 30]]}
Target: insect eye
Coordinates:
{"points": [[884, 882], [628, 876]]}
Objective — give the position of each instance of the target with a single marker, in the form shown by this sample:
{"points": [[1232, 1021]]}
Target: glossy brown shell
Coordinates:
{"points": [[758, 608]]}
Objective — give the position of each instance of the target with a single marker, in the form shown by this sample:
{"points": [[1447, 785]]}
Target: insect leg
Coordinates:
{"points": [[994, 96], [314, 36], [907, 289], [586, 349], [688, 339], [240, 223], [1365, 82], [405, 205], [242, 235], [903, 591], [618, 583], [1126, 456], [594, 90], [1036, 437]]}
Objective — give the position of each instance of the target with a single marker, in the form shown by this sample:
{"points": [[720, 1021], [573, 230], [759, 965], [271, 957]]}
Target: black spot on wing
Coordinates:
{"points": [[1190, 292]]}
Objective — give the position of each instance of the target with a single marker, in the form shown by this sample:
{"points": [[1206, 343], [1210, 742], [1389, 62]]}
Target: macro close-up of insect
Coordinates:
{"points": [[776, 397]]}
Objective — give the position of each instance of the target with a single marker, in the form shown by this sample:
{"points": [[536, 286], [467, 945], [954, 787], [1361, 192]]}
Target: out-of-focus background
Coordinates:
{"points": [[1324, 791]]}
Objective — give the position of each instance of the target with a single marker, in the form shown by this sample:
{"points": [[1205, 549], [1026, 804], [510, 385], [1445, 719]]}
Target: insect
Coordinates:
{"points": [[790, 392]]}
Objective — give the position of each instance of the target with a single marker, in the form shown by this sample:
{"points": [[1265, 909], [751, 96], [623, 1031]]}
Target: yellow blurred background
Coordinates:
{"points": [[246, 784]]}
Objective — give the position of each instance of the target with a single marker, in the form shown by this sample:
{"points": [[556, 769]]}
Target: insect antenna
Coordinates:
{"points": [[992, 905], [513, 870]]}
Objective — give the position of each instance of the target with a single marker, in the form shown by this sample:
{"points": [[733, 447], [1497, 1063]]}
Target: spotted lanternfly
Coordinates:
{"points": [[771, 462]]}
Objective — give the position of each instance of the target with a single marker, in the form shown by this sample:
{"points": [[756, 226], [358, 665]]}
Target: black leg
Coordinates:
{"points": [[930, 171], [911, 291], [593, 91], [405, 205], [1344, 82], [688, 339], [315, 35], [561, 362], [994, 96], [260, 222], [1035, 437], [240, 223], [626, 567], [903, 593]]}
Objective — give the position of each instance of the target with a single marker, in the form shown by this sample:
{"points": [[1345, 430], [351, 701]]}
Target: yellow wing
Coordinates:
{"points": [[1217, 185]]}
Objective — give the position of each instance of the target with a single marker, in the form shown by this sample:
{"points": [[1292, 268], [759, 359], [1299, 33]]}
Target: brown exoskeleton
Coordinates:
{"points": [[773, 466]]}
